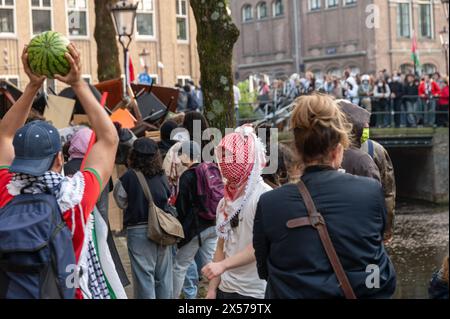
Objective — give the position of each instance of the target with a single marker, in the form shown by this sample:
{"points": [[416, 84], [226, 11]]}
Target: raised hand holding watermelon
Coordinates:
{"points": [[74, 76], [35, 80], [46, 54]]}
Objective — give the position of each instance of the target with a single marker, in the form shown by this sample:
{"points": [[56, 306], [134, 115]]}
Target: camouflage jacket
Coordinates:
{"points": [[384, 163]]}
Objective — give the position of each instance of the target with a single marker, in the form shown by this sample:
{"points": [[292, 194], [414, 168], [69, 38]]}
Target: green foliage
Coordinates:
{"points": [[247, 100]]}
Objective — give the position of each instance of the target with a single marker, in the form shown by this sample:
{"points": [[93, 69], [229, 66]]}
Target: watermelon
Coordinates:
{"points": [[46, 54]]}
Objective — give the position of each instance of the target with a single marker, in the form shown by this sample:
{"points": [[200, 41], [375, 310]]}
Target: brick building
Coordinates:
{"points": [[328, 36], [165, 31]]}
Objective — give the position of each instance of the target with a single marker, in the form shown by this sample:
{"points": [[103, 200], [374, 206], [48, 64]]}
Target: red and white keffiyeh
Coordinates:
{"points": [[241, 157]]}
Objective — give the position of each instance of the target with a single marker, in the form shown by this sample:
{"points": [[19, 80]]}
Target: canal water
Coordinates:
{"points": [[420, 244]]}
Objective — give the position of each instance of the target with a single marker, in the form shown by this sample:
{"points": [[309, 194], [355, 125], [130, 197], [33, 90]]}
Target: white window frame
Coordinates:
{"points": [[310, 5], [8, 77], [186, 17], [42, 8], [183, 78], [431, 5], [244, 7], [274, 8], [258, 10], [152, 11], [77, 9], [13, 7], [411, 28], [349, 3], [327, 4]]}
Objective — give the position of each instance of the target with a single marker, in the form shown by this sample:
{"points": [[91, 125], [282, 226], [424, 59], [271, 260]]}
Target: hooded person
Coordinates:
{"points": [[356, 161], [233, 273]]}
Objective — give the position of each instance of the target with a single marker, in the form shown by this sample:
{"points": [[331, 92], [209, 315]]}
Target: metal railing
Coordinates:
{"points": [[405, 111]]}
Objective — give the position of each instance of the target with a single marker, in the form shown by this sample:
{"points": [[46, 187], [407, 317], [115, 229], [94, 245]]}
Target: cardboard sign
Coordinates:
{"points": [[124, 117], [59, 111]]}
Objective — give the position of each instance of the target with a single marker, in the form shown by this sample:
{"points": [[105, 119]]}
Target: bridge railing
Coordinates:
{"points": [[404, 111]]}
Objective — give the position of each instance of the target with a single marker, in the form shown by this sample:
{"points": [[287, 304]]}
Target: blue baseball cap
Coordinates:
{"points": [[35, 145]]}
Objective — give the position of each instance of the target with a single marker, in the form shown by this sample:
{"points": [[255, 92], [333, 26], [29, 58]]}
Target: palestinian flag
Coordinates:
{"points": [[414, 52]]}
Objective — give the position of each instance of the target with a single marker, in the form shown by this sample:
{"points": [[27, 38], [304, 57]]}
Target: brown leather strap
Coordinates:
{"points": [[316, 220]]}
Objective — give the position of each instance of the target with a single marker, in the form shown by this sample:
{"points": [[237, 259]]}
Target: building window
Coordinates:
{"points": [[425, 20], [278, 8], [428, 68], [407, 68], [332, 3], [41, 15], [145, 21], [262, 10], [7, 16], [77, 17], [403, 20], [183, 79], [247, 13], [349, 2], [314, 5], [335, 72], [182, 23]]}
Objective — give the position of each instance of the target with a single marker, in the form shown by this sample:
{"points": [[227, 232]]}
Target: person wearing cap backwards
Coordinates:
{"points": [[31, 158], [356, 161], [151, 263]]}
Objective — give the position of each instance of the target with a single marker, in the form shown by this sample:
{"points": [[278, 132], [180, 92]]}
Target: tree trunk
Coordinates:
{"points": [[105, 36], [216, 36]]}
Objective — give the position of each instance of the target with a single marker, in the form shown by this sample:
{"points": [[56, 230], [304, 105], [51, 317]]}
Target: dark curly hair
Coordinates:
{"points": [[149, 165]]}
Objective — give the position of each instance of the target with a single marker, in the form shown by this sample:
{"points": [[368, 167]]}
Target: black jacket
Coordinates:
{"points": [[188, 204], [410, 92], [293, 261], [136, 212]]}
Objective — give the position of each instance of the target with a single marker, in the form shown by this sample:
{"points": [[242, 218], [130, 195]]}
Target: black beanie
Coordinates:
{"points": [[166, 129]]}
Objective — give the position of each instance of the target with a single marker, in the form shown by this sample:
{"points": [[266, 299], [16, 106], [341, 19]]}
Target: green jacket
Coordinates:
{"points": [[383, 161]]}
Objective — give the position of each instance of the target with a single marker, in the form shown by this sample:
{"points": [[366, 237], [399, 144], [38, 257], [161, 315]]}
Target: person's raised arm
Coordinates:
{"points": [[102, 156], [17, 115]]}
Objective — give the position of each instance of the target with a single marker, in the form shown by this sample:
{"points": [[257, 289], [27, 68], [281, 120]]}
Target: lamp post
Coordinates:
{"points": [[124, 15], [444, 42], [445, 4]]}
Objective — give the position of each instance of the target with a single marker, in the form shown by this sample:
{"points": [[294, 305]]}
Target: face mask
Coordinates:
{"points": [[365, 135]]}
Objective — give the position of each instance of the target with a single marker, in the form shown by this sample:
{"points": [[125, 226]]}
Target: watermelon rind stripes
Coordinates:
{"points": [[46, 54]]}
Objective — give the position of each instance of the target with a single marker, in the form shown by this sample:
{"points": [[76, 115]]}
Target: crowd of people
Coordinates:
{"points": [[188, 218], [400, 100]]}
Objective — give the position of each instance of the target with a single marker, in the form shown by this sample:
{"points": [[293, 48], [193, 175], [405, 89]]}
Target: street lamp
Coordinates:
{"points": [[445, 5], [444, 42], [124, 14]]}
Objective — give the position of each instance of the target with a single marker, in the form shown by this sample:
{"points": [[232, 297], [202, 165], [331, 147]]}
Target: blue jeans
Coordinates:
{"points": [[193, 275], [151, 265], [186, 256]]}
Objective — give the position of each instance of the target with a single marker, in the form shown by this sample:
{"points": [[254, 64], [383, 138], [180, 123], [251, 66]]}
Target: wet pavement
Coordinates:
{"points": [[419, 246]]}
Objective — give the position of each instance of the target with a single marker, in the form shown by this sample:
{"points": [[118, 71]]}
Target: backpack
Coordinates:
{"points": [[37, 258], [210, 189], [163, 228]]}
